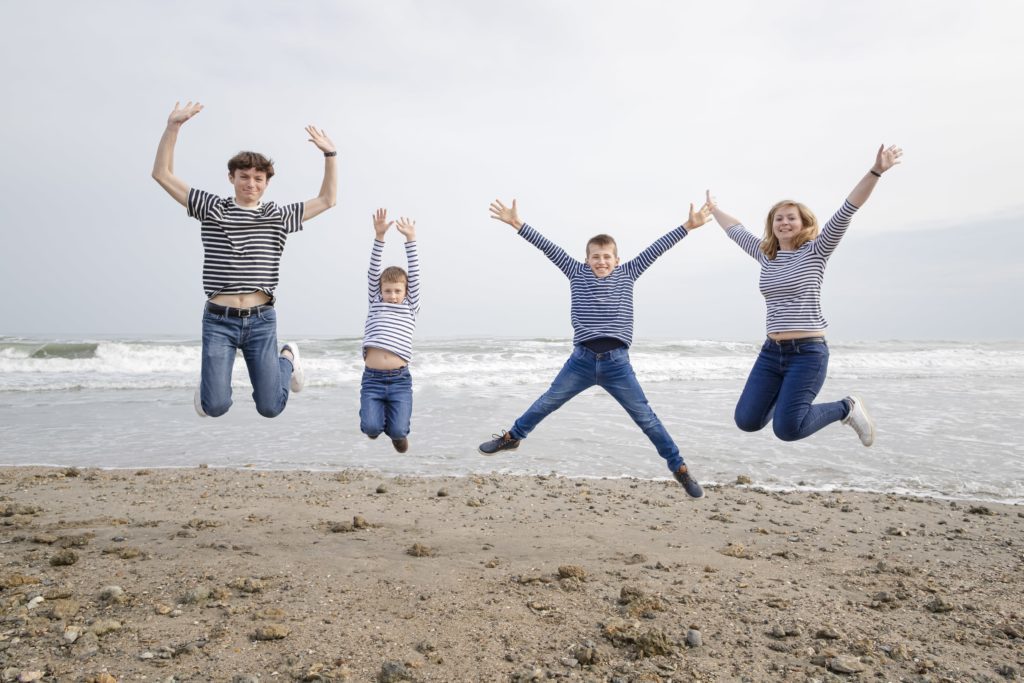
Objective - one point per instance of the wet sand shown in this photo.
(241, 575)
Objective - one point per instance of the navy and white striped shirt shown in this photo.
(791, 283)
(242, 247)
(390, 326)
(602, 306)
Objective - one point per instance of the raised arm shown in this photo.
(408, 229)
(555, 253)
(163, 165)
(885, 158)
(734, 229)
(328, 196)
(380, 228)
(646, 258)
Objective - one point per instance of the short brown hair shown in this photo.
(244, 160)
(603, 240)
(770, 243)
(394, 274)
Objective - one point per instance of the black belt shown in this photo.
(801, 340)
(604, 344)
(237, 312)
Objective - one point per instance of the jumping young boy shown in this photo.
(243, 239)
(602, 322)
(385, 396)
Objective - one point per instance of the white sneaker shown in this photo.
(860, 420)
(197, 401)
(298, 376)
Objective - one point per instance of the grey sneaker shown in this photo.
(197, 402)
(860, 420)
(298, 376)
(500, 442)
(690, 485)
(401, 445)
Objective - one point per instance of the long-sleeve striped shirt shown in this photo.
(791, 282)
(602, 306)
(242, 247)
(390, 326)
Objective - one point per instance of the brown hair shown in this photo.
(603, 240)
(770, 243)
(394, 274)
(244, 160)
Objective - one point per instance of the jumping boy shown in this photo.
(243, 239)
(385, 396)
(602, 321)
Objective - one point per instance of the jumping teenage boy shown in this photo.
(602, 321)
(243, 239)
(385, 395)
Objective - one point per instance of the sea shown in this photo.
(948, 414)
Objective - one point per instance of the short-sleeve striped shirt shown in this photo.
(390, 326)
(791, 282)
(242, 247)
(602, 306)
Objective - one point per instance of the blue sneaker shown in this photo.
(692, 488)
(500, 442)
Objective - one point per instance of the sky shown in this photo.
(596, 115)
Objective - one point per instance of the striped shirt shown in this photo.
(602, 306)
(791, 283)
(390, 326)
(242, 247)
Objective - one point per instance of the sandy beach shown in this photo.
(240, 575)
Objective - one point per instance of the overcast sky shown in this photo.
(598, 116)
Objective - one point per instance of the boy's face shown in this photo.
(249, 185)
(602, 259)
(392, 292)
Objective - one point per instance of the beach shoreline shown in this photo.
(205, 574)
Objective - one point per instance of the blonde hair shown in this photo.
(770, 243)
(394, 274)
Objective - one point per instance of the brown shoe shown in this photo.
(401, 445)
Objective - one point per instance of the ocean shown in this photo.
(947, 414)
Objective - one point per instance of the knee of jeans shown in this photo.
(785, 431)
(370, 432)
(397, 433)
(746, 423)
(269, 412)
(216, 409)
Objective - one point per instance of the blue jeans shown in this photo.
(385, 402)
(612, 372)
(269, 373)
(781, 389)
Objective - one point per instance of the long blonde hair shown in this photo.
(770, 243)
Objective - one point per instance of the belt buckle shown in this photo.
(244, 312)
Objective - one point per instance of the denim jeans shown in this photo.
(269, 373)
(385, 402)
(781, 389)
(612, 372)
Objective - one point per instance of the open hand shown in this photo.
(182, 114)
(407, 228)
(319, 138)
(701, 216)
(506, 214)
(380, 223)
(886, 158)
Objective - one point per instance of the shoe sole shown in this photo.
(870, 420)
(483, 452)
(197, 403)
(295, 386)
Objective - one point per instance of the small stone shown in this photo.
(420, 550)
(572, 571)
(247, 585)
(359, 522)
(161, 608)
(743, 479)
(197, 594)
(474, 502)
(71, 634)
(247, 678)
(382, 489)
(827, 633)
(102, 677)
(35, 602)
(586, 653)
(102, 627)
(693, 638)
(844, 664)
(938, 604)
(29, 676)
(392, 672)
(64, 558)
(271, 632)
(113, 594)
(442, 493)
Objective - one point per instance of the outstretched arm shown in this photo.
(506, 214)
(646, 258)
(724, 220)
(380, 228)
(734, 229)
(885, 158)
(557, 255)
(328, 196)
(163, 165)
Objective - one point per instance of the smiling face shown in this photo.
(787, 225)
(602, 255)
(249, 184)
